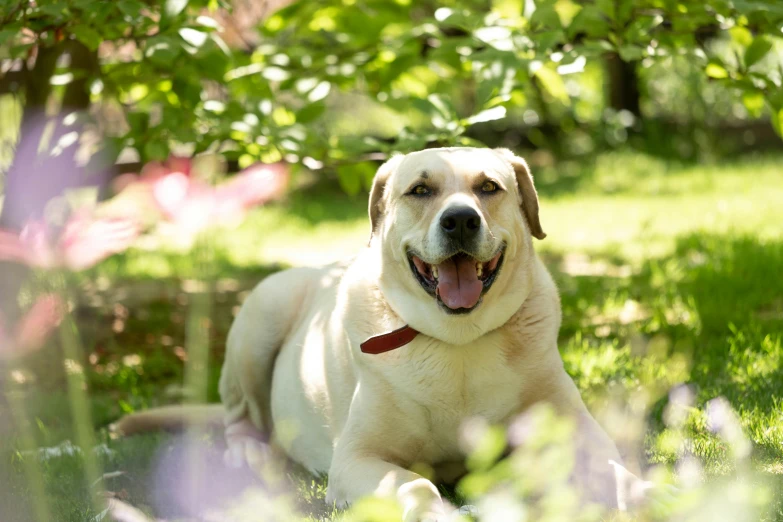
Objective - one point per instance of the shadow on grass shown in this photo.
(709, 315)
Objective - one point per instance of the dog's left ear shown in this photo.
(377, 204)
(527, 190)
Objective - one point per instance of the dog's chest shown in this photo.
(449, 384)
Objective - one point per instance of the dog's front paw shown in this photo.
(333, 499)
(421, 502)
(463, 514)
(434, 516)
(246, 451)
(244, 446)
(466, 512)
(631, 490)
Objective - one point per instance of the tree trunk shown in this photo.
(623, 85)
(36, 175)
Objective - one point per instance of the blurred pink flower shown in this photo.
(83, 242)
(33, 328)
(254, 185)
(188, 201)
(192, 205)
(153, 171)
(86, 241)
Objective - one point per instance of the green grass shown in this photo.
(669, 274)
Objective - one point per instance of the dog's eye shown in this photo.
(420, 190)
(489, 186)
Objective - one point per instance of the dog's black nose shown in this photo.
(460, 223)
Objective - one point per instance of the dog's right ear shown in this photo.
(377, 202)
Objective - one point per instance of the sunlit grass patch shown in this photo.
(645, 218)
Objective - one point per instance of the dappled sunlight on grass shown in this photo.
(710, 320)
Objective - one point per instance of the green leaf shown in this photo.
(757, 50)
(442, 105)
(156, 150)
(87, 35)
(131, 8)
(53, 9)
(754, 102)
(486, 90)
(590, 21)
(310, 112)
(351, 177)
(566, 10)
(138, 122)
(508, 8)
(631, 53)
(368, 176)
(441, 112)
(553, 84)
(275, 74)
(545, 17)
(596, 48)
(715, 70)
(20, 50)
(7, 34)
(320, 92)
(163, 49)
(104, 16)
(777, 121)
(497, 36)
(741, 36)
(495, 113)
(213, 65)
(639, 32)
(206, 21)
(607, 8)
(192, 36)
(548, 40)
(175, 7)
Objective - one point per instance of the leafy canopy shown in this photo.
(437, 67)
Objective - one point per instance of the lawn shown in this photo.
(669, 274)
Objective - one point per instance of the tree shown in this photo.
(158, 76)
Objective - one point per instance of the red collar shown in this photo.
(389, 341)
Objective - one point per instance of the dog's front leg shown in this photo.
(379, 438)
(354, 476)
(599, 474)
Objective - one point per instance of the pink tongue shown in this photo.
(458, 283)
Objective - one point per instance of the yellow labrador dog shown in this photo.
(372, 365)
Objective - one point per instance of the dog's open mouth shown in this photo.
(458, 281)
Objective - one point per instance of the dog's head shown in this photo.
(454, 230)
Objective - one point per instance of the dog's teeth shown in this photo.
(479, 269)
(434, 271)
